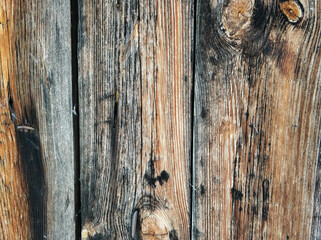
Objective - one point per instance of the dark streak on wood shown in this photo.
(236, 194)
(265, 207)
(74, 15)
(173, 235)
(163, 177)
(34, 174)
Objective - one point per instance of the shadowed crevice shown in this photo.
(75, 100)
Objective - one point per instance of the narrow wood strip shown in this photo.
(14, 207)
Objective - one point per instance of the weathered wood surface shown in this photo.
(135, 85)
(14, 207)
(37, 156)
(257, 120)
(316, 220)
(240, 159)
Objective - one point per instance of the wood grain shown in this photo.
(316, 219)
(249, 166)
(14, 207)
(37, 141)
(135, 85)
(257, 120)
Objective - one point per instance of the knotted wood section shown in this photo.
(257, 126)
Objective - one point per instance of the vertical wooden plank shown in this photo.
(135, 89)
(14, 207)
(166, 71)
(37, 106)
(257, 119)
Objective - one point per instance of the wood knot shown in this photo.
(151, 220)
(236, 18)
(292, 10)
(155, 226)
(90, 230)
(84, 234)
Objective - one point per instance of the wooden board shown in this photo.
(257, 120)
(37, 154)
(240, 159)
(14, 207)
(135, 85)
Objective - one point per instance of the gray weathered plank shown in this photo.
(135, 74)
(257, 120)
(36, 99)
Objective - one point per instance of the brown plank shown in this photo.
(257, 120)
(14, 207)
(135, 73)
(37, 108)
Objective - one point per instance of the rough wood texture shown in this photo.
(316, 221)
(37, 157)
(14, 208)
(135, 72)
(255, 171)
(257, 120)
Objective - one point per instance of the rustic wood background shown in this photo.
(160, 119)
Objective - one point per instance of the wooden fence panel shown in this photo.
(239, 159)
(135, 85)
(257, 120)
(37, 156)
